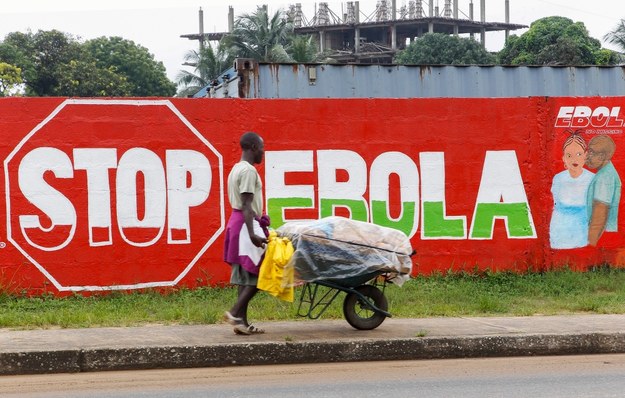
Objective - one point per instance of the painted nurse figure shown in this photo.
(569, 220)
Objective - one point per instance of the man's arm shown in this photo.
(248, 215)
(598, 220)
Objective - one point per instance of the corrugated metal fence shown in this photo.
(253, 80)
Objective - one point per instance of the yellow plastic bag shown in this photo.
(273, 277)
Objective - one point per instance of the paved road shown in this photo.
(520, 377)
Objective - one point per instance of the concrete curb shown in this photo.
(264, 353)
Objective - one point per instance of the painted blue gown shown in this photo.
(569, 221)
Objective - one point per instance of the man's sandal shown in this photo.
(231, 319)
(247, 330)
(254, 330)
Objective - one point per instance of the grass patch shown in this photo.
(505, 293)
(455, 294)
(421, 333)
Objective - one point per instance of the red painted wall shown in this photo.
(150, 218)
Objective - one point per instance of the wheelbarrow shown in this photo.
(336, 255)
(365, 306)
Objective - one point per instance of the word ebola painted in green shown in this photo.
(501, 194)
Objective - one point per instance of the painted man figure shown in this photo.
(604, 192)
(245, 238)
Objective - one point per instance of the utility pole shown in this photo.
(201, 16)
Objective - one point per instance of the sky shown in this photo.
(158, 24)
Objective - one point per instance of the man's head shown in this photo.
(253, 147)
(600, 151)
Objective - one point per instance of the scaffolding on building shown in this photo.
(353, 36)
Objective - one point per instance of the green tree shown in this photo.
(145, 75)
(85, 79)
(555, 41)
(10, 77)
(261, 37)
(617, 35)
(208, 64)
(54, 63)
(39, 55)
(303, 49)
(442, 49)
(14, 50)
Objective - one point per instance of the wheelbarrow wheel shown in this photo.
(360, 315)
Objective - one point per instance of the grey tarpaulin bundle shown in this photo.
(337, 248)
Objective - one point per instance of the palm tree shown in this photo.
(208, 65)
(261, 37)
(617, 36)
(304, 49)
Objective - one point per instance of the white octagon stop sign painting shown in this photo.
(114, 194)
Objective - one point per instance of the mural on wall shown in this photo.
(500, 196)
(604, 192)
(94, 205)
(129, 193)
(569, 220)
(586, 195)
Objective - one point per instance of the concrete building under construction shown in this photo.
(355, 37)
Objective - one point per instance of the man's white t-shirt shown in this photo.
(244, 178)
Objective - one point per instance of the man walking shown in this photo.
(245, 236)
